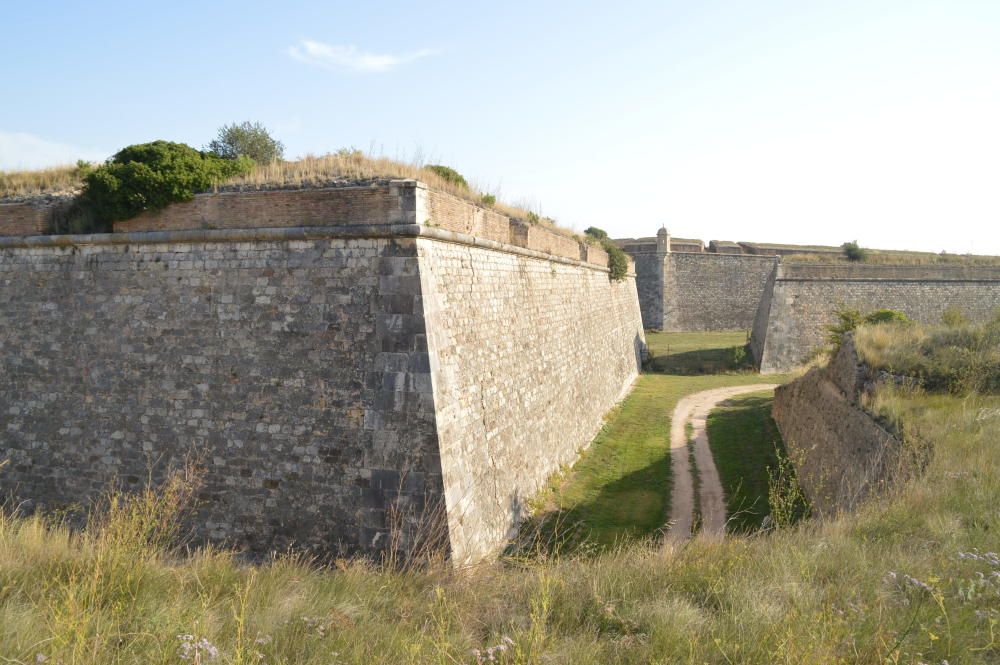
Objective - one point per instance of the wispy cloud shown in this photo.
(337, 56)
(20, 150)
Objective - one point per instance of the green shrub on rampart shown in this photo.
(849, 318)
(449, 174)
(150, 176)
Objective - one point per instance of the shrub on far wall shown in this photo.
(617, 258)
(149, 176)
(854, 252)
(247, 139)
(849, 319)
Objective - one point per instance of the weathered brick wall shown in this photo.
(713, 291)
(296, 371)
(452, 213)
(841, 454)
(804, 299)
(26, 219)
(380, 203)
(527, 357)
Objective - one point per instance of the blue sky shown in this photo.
(813, 122)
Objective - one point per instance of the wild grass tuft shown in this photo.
(26, 184)
(961, 358)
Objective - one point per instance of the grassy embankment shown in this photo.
(909, 578)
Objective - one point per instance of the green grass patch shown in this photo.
(698, 352)
(745, 442)
(619, 489)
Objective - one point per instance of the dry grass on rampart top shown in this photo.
(960, 358)
(357, 166)
(344, 166)
(890, 257)
(27, 184)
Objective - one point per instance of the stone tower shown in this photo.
(663, 240)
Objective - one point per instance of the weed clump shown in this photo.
(449, 175)
(854, 252)
(617, 258)
(849, 319)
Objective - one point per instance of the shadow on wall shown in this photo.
(702, 361)
(641, 351)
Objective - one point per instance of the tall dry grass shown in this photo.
(310, 171)
(961, 358)
(27, 184)
(911, 577)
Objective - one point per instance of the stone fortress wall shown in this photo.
(359, 360)
(684, 287)
(804, 297)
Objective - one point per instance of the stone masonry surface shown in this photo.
(294, 365)
(526, 358)
(804, 298)
(297, 373)
(713, 291)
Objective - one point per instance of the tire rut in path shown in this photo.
(694, 409)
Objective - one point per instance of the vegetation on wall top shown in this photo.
(449, 175)
(617, 258)
(246, 139)
(850, 318)
(959, 357)
(149, 176)
(853, 251)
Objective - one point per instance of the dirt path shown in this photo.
(694, 409)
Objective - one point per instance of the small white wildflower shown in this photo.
(41, 658)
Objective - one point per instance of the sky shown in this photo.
(771, 121)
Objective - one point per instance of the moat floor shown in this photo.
(705, 508)
(620, 490)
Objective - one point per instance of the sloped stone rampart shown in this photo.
(527, 356)
(841, 453)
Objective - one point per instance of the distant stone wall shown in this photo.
(713, 291)
(527, 357)
(841, 454)
(804, 298)
(763, 315)
(649, 270)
